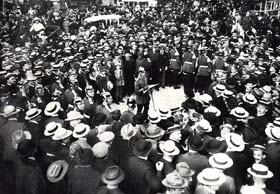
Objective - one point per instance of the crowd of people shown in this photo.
(60, 75)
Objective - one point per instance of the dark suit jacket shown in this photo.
(141, 177)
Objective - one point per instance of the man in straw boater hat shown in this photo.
(112, 177)
(209, 181)
(260, 173)
(10, 114)
(272, 132)
(221, 162)
(235, 150)
(141, 175)
(33, 125)
(52, 112)
(57, 177)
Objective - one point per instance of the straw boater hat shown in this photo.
(174, 181)
(273, 132)
(213, 109)
(128, 131)
(18, 136)
(220, 161)
(106, 137)
(250, 99)
(57, 170)
(61, 133)
(260, 171)
(169, 148)
(203, 125)
(51, 128)
(165, 112)
(219, 88)
(32, 113)
(239, 113)
(9, 111)
(211, 177)
(184, 170)
(154, 117)
(235, 142)
(81, 130)
(52, 108)
(113, 175)
(154, 132)
(74, 115)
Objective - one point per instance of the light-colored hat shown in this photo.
(74, 115)
(211, 176)
(128, 131)
(81, 130)
(51, 128)
(251, 189)
(154, 131)
(57, 170)
(205, 98)
(250, 99)
(260, 171)
(154, 117)
(219, 88)
(18, 136)
(273, 132)
(10, 110)
(204, 125)
(174, 181)
(52, 108)
(220, 161)
(100, 149)
(169, 148)
(165, 112)
(112, 175)
(213, 109)
(235, 142)
(32, 113)
(239, 113)
(61, 133)
(106, 136)
(184, 170)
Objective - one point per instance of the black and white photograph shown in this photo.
(140, 97)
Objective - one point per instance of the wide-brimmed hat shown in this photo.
(250, 99)
(18, 136)
(32, 113)
(239, 113)
(154, 131)
(258, 147)
(211, 176)
(203, 125)
(128, 131)
(100, 149)
(219, 88)
(52, 108)
(81, 130)
(164, 112)
(195, 143)
(9, 111)
(229, 126)
(113, 175)
(57, 170)
(213, 109)
(51, 128)
(214, 146)
(273, 132)
(220, 161)
(61, 133)
(184, 170)
(154, 117)
(140, 147)
(106, 136)
(169, 148)
(174, 181)
(74, 115)
(235, 142)
(260, 171)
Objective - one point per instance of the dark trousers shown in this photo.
(203, 83)
(188, 81)
(175, 77)
(143, 108)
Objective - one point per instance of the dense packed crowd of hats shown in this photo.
(60, 75)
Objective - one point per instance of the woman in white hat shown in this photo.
(209, 181)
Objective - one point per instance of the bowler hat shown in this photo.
(195, 143)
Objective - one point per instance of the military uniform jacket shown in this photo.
(140, 97)
(188, 62)
(204, 66)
